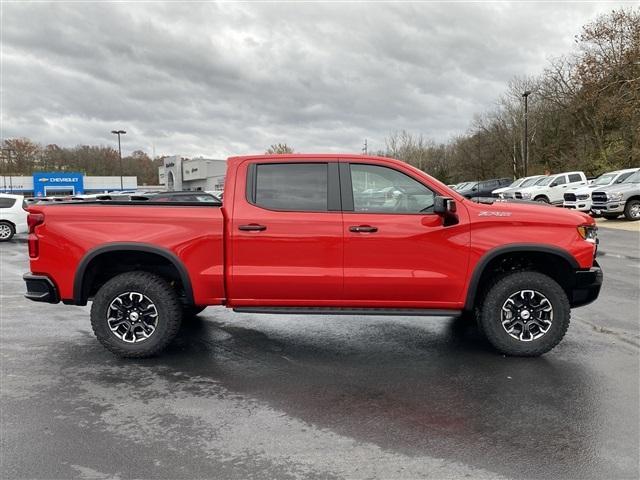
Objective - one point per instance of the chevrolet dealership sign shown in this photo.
(48, 183)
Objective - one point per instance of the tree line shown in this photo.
(22, 156)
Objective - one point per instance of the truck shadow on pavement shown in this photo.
(436, 389)
(433, 388)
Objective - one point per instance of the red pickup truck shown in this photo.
(336, 234)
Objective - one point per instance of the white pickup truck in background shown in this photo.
(580, 198)
(551, 189)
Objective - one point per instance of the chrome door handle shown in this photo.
(363, 229)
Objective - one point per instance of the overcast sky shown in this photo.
(224, 79)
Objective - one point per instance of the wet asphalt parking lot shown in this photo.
(267, 396)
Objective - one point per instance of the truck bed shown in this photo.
(73, 235)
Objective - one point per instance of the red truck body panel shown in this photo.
(194, 234)
(311, 258)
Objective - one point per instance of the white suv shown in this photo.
(551, 189)
(13, 217)
(580, 198)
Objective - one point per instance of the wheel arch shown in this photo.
(485, 266)
(82, 278)
(11, 224)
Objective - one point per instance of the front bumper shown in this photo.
(580, 205)
(586, 287)
(609, 207)
(40, 288)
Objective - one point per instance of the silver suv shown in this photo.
(619, 198)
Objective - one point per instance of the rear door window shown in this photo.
(296, 187)
(574, 177)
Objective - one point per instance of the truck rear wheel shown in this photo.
(525, 314)
(136, 314)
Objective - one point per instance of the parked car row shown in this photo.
(484, 188)
(611, 194)
(618, 197)
(580, 198)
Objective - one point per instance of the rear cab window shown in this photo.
(296, 187)
(575, 177)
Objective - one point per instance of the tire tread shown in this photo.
(147, 280)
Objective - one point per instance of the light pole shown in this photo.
(525, 142)
(120, 132)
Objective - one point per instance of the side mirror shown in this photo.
(553, 184)
(444, 205)
(446, 208)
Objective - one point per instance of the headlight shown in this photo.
(588, 233)
(616, 196)
(583, 196)
(526, 196)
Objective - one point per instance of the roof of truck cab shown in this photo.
(307, 156)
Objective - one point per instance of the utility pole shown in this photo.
(525, 143)
(120, 132)
(365, 149)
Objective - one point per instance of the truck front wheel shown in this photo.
(136, 314)
(525, 314)
(632, 210)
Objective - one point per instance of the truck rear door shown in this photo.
(286, 234)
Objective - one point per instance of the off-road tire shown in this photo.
(541, 199)
(631, 205)
(498, 293)
(12, 231)
(159, 292)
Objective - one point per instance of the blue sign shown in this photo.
(57, 183)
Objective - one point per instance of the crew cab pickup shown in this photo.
(619, 198)
(316, 234)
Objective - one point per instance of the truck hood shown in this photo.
(528, 212)
(582, 189)
(619, 187)
(532, 188)
(503, 189)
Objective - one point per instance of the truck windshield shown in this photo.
(605, 179)
(635, 178)
(530, 181)
(517, 183)
(546, 181)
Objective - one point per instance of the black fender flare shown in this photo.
(511, 248)
(79, 297)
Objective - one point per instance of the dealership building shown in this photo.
(48, 184)
(206, 174)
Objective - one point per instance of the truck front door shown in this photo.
(398, 253)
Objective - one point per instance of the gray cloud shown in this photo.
(223, 79)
